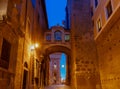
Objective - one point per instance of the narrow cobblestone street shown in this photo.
(58, 87)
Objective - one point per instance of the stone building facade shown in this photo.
(84, 52)
(56, 40)
(22, 25)
(57, 35)
(95, 43)
(93, 49)
(54, 69)
(106, 26)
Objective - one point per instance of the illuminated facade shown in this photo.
(84, 53)
(92, 45)
(21, 26)
(94, 30)
(57, 34)
(106, 19)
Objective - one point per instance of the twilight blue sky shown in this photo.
(33, 3)
(63, 62)
(56, 14)
(55, 11)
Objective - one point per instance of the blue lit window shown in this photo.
(58, 36)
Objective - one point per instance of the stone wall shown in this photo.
(109, 55)
(84, 51)
(7, 75)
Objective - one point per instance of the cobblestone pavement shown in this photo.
(58, 87)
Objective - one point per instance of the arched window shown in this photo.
(58, 36)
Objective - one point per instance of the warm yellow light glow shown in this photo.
(36, 45)
(32, 47)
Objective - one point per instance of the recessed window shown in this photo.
(48, 37)
(58, 36)
(91, 11)
(5, 54)
(67, 37)
(109, 9)
(99, 25)
(3, 8)
(38, 17)
(96, 3)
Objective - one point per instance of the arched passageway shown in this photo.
(56, 49)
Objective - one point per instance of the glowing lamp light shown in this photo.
(36, 45)
(63, 66)
(32, 47)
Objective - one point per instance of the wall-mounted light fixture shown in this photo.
(34, 46)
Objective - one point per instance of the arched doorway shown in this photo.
(25, 76)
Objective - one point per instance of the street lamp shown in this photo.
(34, 46)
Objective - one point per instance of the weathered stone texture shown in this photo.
(109, 55)
(7, 75)
(83, 45)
